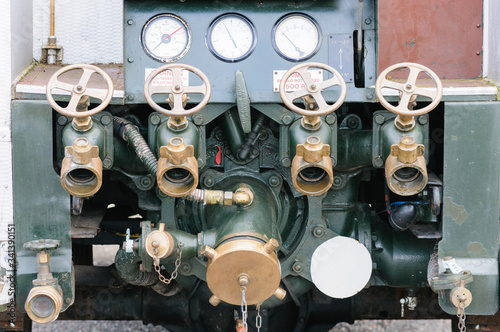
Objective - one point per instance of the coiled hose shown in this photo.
(130, 133)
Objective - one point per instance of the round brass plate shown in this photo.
(243, 257)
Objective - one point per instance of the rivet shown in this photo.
(379, 119)
(330, 119)
(130, 60)
(130, 22)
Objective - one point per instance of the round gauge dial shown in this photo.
(166, 38)
(231, 37)
(296, 37)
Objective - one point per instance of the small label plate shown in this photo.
(165, 78)
(295, 82)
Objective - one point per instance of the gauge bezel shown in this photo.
(307, 17)
(162, 59)
(208, 39)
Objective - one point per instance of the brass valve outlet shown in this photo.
(312, 172)
(177, 174)
(243, 263)
(44, 301)
(243, 196)
(405, 168)
(159, 243)
(81, 170)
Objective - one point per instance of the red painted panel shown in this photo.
(444, 35)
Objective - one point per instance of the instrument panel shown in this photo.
(262, 40)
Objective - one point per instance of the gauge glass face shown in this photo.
(166, 38)
(296, 37)
(231, 38)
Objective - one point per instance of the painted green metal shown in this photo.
(41, 206)
(328, 135)
(190, 135)
(471, 199)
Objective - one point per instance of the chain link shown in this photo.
(461, 317)
(244, 309)
(258, 318)
(177, 265)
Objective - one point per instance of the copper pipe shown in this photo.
(52, 17)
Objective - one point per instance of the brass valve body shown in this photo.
(405, 168)
(81, 169)
(312, 172)
(177, 174)
(243, 263)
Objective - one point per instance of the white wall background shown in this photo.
(89, 31)
(492, 39)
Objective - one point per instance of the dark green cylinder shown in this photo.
(94, 135)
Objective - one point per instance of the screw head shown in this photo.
(130, 21)
(379, 119)
(105, 120)
(378, 162)
(107, 162)
(208, 181)
(318, 231)
(130, 59)
(287, 119)
(155, 119)
(286, 162)
(337, 181)
(330, 119)
(198, 119)
(274, 181)
(369, 96)
(297, 267)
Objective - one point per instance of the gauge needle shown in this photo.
(296, 48)
(229, 33)
(164, 40)
(170, 35)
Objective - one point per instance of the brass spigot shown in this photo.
(405, 168)
(312, 172)
(177, 174)
(81, 170)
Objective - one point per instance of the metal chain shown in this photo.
(258, 319)
(177, 264)
(461, 317)
(244, 309)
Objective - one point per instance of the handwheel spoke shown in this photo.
(177, 105)
(62, 86)
(305, 76)
(328, 83)
(392, 85)
(73, 102)
(412, 78)
(196, 89)
(403, 103)
(159, 89)
(97, 93)
(320, 100)
(426, 93)
(84, 80)
(177, 76)
(297, 94)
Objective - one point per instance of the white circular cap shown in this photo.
(341, 267)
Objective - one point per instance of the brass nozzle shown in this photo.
(405, 168)
(312, 172)
(44, 304)
(81, 170)
(177, 174)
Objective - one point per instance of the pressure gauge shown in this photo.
(166, 38)
(296, 37)
(231, 37)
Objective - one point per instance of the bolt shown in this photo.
(274, 181)
(297, 267)
(368, 21)
(337, 182)
(105, 120)
(478, 25)
(130, 21)
(370, 77)
(62, 120)
(107, 162)
(130, 97)
(243, 279)
(186, 268)
(369, 96)
(198, 119)
(478, 53)
(286, 162)
(67, 300)
(352, 122)
(287, 119)
(219, 135)
(423, 119)
(208, 181)
(155, 119)
(146, 181)
(318, 231)
(255, 152)
(313, 86)
(379, 119)
(330, 119)
(78, 88)
(177, 88)
(140, 267)
(378, 162)
(409, 86)
(130, 59)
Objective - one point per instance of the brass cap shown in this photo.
(160, 240)
(43, 304)
(243, 263)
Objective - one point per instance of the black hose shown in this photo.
(130, 133)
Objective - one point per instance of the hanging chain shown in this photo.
(177, 264)
(244, 309)
(258, 318)
(461, 317)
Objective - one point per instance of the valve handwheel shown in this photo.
(313, 89)
(79, 90)
(177, 90)
(409, 89)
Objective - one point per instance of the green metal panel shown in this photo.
(471, 199)
(41, 206)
